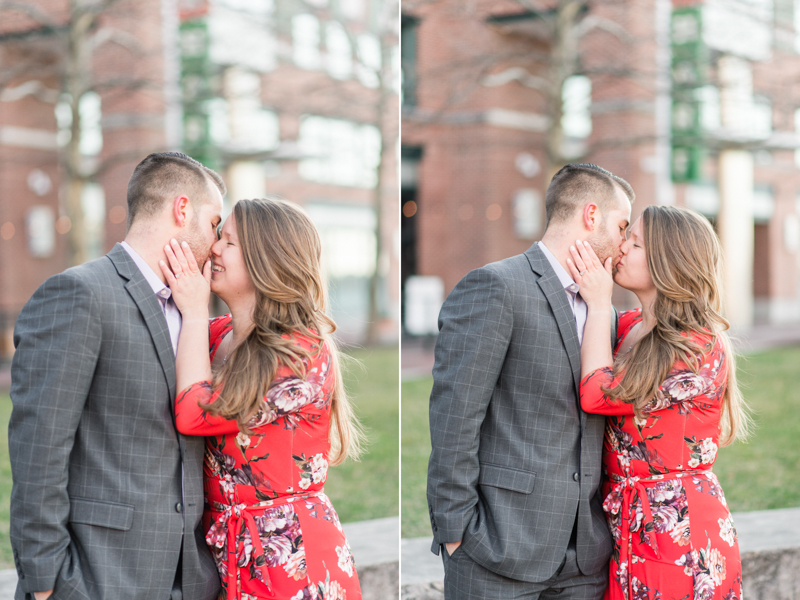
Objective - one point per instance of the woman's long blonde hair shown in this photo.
(281, 250)
(684, 258)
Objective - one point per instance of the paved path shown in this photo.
(758, 530)
(373, 542)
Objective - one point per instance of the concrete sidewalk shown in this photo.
(417, 353)
(375, 548)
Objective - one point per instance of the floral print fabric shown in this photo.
(272, 530)
(673, 533)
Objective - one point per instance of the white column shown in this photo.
(245, 179)
(735, 226)
(735, 180)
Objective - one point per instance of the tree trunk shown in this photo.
(564, 64)
(384, 87)
(78, 71)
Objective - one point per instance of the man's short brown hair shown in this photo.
(164, 175)
(574, 186)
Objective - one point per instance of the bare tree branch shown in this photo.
(516, 74)
(31, 11)
(34, 88)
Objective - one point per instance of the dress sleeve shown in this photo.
(287, 394)
(191, 419)
(595, 401)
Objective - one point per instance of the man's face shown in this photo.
(201, 232)
(609, 234)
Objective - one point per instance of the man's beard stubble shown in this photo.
(197, 243)
(603, 246)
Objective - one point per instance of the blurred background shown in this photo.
(696, 103)
(294, 98)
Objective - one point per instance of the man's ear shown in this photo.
(180, 210)
(591, 216)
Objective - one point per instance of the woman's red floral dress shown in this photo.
(272, 530)
(673, 533)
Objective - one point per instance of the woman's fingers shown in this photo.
(169, 276)
(588, 254)
(174, 264)
(577, 259)
(573, 270)
(177, 250)
(191, 261)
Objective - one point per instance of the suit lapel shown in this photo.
(150, 308)
(565, 319)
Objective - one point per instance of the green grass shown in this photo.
(359, 490)
(369, 489)
(416, 447)
(763, 473)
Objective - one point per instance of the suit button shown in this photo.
(575, 476)
(179, 507)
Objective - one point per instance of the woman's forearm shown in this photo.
(596, 348)
(192, 362)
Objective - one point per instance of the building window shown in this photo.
(347, 234)
(576, 95)
(339, 57)
(305, 40)
(369, 60)
(797, 131)
(342, 152)
(408, 60)
(241, 35)
(352, 9)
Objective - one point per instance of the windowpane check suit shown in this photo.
(107, 496)
(515, 462)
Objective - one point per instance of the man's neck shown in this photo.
(558, 242)
(150, 247)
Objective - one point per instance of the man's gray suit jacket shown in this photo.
(97, 511)
(515, 461)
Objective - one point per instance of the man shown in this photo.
(514, 474)
(107, 496)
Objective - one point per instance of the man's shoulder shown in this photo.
(90, 277)
(509, 270)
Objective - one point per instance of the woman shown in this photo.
(270, 400)
(671, 398)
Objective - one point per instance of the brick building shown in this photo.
(478, 133)
(281, 98)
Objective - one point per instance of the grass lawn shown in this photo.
(364, 490)
(369, 489)
(760, 474)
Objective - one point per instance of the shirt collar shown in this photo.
(159, 287)
(564, 277)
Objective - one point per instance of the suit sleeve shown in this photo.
(475, 325)
(57, 338)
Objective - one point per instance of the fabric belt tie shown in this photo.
(621, 501)
(237, 517)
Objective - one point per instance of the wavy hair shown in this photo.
(684, 258)
(281, 250)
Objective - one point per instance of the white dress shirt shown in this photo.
(578, 305)
(163, 293)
